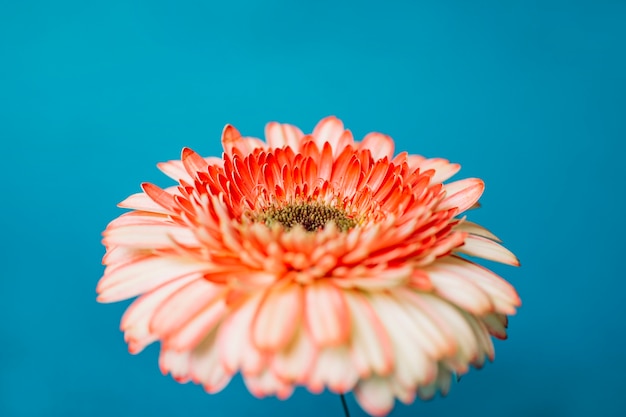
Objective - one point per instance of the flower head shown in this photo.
(309, 260)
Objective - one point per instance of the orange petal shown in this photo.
(160, 196)
(193, 162)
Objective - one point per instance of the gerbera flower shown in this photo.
(310, 260)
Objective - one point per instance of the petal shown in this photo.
(327, 317)
(161, 197)
(175, 169)
(495, 326)
(370, 347)
(277, 317)
(375, 396)
(462, 194)
(189, 314)
(463, 334)
(459, 290)
(159, 235)
(475, 229)
(193, 162)
(205, 366)
(232, 139)
(377, 279)
(329, 129)
(144, 275)
(502, 294)
(379, 145)
(333, 369)
(488, 249)
(296, 361)
(442, 167)
(176, 363)
(136, 320)
(266, 384)
(413, 366)
(141, 201)
(234, 340)
(279, 135)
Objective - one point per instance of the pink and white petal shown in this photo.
(296, 361)
(403, 393)
(267, 384)
(118, 255)
(192, 327)
(414, 161)
(193, 163)
(485, 343)
(377, 279)
(136, 218)
(434, 330)
(141, 202)
(162, 197)
(333, 369)
(136, 320)
(232, 139)
(442, 383)
(277, 317)
(144, 275)
(279, 135)
(370, 347)
(487, 249)
(475, 229)
(442, 167)
(413, 365)
(159, 235)
(375, 395)
(444, 379)
(234, 340)
(329, 129)
(495, 326)
(176, 363)
(458, 290)
(379, 145)
(175, 170)
(205, 366)
(466, 341)
(326, 314)
(504, 297)
(462, 194)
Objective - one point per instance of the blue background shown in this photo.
(528, 95)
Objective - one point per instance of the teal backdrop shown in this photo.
(528, 95)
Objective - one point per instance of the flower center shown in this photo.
(311, 216)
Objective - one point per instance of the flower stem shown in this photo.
(345, 406)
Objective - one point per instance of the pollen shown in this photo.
(311, 216)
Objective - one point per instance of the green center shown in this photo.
(311, 216)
